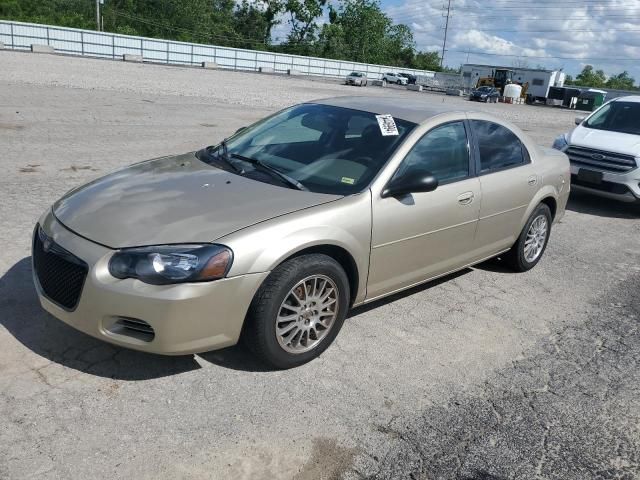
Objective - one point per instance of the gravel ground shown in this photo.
(482, 375)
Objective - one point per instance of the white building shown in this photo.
(539, 80)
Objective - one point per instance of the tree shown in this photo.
(250, 26)
(303, 16)
(426, 61)
(360, 31)
(590, 78)
(622, 81)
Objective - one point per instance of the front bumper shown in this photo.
(185, 318)
(622, 187)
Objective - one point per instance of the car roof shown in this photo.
(412, 110)
(630, 98)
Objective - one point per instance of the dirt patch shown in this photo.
(329, 461)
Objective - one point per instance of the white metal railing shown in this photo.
(73, 41)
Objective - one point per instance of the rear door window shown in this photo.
(499, 147)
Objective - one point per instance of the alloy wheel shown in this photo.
(307, 314)
(536, 238)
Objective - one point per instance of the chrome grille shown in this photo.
(601, 160)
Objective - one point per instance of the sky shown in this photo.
(556, 34)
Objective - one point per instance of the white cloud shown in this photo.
(573, 32)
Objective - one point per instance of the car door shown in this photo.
(508, 182)
(422, 235)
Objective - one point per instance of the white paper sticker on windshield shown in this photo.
(387, 125)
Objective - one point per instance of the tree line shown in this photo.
(590, 77)
(353, 30)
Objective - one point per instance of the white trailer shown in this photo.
(539, 80)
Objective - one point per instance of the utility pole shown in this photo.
(98, 15)
(446, 29)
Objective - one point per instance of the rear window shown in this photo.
(623, 117)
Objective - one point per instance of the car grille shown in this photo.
(600, 160)
(60, 274)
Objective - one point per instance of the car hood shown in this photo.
(604, 140)
(174, 200)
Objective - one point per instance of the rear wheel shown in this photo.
(532, 242)
(298, 311)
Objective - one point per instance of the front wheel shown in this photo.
(298, 311)
(532, 242)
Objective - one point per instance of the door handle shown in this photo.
(465, 198)
(532, 180)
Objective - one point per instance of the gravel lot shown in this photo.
(485, 374)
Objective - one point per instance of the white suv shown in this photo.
(604, 150)
(390, 77)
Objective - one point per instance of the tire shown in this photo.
(273, 299)
(517, 257)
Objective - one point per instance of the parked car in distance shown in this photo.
(356, 78)
(604, 150)
(274, 234)
(391, 77)
(485, 94)
(411, 79)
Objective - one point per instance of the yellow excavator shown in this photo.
(499, 79)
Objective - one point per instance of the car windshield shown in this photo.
(355, 74)
(485, 89)
(323, 148)
(623, 117)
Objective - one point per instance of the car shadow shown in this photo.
(602, 207)
(239, 357)
(45, 335)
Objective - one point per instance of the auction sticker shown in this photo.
(387, 125)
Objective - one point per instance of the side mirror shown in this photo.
(415, 182)
(579, 120)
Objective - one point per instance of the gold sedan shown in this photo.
(275, 233)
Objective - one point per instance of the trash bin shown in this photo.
(589, 100)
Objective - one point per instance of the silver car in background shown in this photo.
(358, 79)
(274, 234)
(396, 78)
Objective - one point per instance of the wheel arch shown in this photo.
(340, 255)
(551, 202)
(547, 195)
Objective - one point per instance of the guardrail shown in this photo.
(89, 43)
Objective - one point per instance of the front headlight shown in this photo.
(561, 143)
(167, 264)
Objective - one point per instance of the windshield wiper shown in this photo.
(283, 176)
(224, 156)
